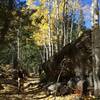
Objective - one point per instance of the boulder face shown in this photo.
(73, 60)
(1, 87)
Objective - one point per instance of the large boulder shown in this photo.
(74, 60)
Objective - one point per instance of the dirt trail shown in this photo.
(31, 92)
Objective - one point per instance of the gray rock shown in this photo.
(53, 87)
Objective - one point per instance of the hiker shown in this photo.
(20, 80)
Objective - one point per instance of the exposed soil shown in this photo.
(31, 91)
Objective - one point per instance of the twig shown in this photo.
(61, 64)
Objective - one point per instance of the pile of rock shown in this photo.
(73, 86)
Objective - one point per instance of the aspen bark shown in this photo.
(96, 47)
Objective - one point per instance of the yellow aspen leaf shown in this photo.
(13, 12)
(29, 2)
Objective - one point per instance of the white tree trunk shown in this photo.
(49, 30)
(96, 60)
(95, 13)
(96, 47)
(18, 55)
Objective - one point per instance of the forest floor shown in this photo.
(32, 91)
